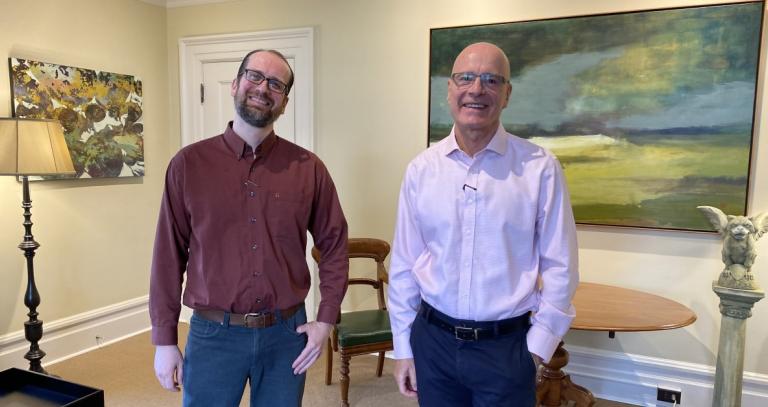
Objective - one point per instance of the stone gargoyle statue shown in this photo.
(739, 236)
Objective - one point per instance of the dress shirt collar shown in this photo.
(240, 149)
(498, 143)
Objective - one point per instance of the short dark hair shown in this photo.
(241, 70)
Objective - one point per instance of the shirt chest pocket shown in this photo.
(287, 213)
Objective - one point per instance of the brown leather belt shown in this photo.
(262, 319)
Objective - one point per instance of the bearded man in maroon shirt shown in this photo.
(233, 220)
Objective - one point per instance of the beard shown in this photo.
(253, 116)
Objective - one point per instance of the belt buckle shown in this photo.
(464, 333)
(255, 319)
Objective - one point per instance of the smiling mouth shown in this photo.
(476, 106)
(259, 101)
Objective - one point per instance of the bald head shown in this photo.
(478, 91)
(485, 53)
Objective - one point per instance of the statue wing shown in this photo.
(761, 224)
(715, 216)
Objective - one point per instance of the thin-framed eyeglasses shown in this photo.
(487, 79)
(257, 77)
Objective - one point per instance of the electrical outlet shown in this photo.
(668, 395)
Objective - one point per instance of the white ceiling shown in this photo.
(181, 3)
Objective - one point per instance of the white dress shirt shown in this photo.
(475, 235)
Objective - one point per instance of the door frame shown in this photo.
(296, 43)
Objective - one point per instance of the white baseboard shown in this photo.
(72, 336)
(633, 379)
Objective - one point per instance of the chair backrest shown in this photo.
(375, 249)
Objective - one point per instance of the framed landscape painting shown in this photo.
(101, 113)
(651, 113)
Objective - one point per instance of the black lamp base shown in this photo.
(33, 328)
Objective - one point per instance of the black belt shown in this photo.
(263, 319)
(473, 330)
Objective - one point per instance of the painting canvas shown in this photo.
(650, 113)
(101, 113)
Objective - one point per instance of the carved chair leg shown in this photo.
(344, 370)
(380, 366)
(328, 363)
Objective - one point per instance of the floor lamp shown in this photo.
(32, 147)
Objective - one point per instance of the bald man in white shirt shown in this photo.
(484, 263)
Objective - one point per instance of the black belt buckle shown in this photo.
(465, 333)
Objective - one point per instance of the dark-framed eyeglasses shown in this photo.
(257, 77)
(487, 79)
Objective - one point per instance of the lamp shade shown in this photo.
(33, 147)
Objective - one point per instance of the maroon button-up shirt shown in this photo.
(236, 221)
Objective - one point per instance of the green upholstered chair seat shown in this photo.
(364, 327)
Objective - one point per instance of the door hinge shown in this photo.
(202, 93)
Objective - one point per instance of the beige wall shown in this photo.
(371, 111)
(95, 234)
(371, 119)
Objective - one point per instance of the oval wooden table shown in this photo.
(609, 309)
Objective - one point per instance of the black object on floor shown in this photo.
(24, 388)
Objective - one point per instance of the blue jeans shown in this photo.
(220, 357)
(451, 372)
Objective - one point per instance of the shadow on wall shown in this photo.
(656, 242)
(14, 283)
(665, 343)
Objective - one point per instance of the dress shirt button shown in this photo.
(253, 220)
(254, 247)
(251, 194)
(258, 300)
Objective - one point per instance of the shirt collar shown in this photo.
(240, 149)
(498, 143)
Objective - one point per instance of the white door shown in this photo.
(218, 106)
(207, 66)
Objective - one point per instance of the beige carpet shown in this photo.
(124, 371)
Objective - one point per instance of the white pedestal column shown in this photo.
(736, 307)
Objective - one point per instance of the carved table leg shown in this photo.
(344, 370)
(555, 387)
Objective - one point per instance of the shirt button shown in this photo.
(254, 247)
(251, 194)
(258, 300)
(253, 220)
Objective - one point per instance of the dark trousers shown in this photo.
(220, 358)
(493, 371)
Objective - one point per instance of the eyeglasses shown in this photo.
(257, 77)
(488, 80)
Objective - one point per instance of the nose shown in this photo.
(265, 84)
(476, 86)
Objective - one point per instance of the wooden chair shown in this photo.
(361, 332)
